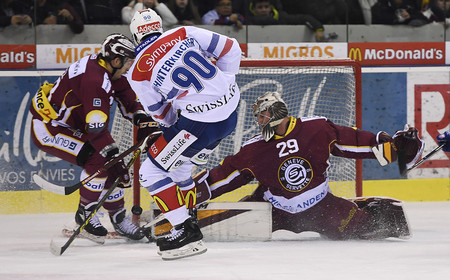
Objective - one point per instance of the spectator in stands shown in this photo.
(168, 18)
(223, 14)
(398, 12)
(366, 7)
(98, 11)
(267, 12)
(185, 11)
(15, 12)
(328, 11)
(204, 6)
(438, 11)
(58, 12)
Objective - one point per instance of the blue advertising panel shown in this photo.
(384, 98)
(19, 158)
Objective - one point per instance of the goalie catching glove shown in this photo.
(409, 147)
(146, 126)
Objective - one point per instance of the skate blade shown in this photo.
(191, 249)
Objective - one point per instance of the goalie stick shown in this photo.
(59, 250)
(66, 190)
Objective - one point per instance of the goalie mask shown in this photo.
(144, 23)
(269, 111)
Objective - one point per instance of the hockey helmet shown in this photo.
(117, 45)
(276, 107)
(145, 22)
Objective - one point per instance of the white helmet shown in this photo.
(271, 102)
(145, 22)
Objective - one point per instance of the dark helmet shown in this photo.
(117, 45)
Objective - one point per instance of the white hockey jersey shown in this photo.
(174, 73)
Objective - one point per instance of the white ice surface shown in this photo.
(24, 254)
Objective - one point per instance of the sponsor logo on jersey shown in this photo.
(210, 105)
(96, 121)
(295, 174)
(168, 154)
(97, 102)
(61, 142)
(154, 53)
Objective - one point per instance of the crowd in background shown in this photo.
(237, 13)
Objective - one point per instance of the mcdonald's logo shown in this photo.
(355, 54)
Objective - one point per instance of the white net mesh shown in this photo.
(320, 90)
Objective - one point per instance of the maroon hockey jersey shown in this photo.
(292, 169)
(86, 87)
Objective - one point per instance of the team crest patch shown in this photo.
(295, 173)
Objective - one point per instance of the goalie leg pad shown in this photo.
(203, 192)
(387, 218)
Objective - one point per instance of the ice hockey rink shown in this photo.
(24, 254)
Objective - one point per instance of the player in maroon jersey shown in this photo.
(70, 121)
(290, 160)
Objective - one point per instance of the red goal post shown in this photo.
(321, 87)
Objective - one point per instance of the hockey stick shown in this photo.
(59, 250)
(66, 190)
(437, 149)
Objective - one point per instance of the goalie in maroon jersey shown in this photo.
(290, 160)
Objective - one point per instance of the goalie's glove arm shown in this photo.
(405, 142)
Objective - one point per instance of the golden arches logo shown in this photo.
(162, 205)
(180, 196)
(190, 198)
(355, 54)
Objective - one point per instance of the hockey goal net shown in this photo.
(329, 88)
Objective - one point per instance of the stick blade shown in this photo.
(61, 190)
(55, 249)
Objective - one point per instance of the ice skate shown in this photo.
(185, 240)
(94, 230)
(124, 227)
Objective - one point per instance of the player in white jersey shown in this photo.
(195, 101)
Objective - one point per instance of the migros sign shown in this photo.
(296, 50)
(419, 53)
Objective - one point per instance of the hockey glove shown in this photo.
(444, 138)
(119, 170)
(146, 125)
(409, 147)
